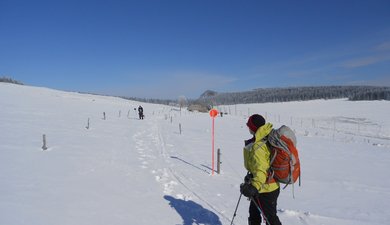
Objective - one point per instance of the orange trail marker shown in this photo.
(213, 114)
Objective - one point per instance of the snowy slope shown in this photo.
(126, 171)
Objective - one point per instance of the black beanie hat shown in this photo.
(255, 121)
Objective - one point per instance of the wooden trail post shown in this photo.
(87, 124)
(219, 161)
(44, 147)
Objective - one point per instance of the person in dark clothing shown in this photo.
(141, 112)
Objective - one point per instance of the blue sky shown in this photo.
(169, 48)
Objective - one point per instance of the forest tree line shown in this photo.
(262, 95)
(9, 80)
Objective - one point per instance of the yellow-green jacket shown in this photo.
(257, 160)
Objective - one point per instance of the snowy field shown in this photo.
(124, 171)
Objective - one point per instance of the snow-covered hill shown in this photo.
(128, 171)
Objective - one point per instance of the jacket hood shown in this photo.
(263, 131)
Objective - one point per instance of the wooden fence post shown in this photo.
(87, 124)
(219, 161)
(44, 147)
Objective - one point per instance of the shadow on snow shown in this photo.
(191, 212)
(197, 167)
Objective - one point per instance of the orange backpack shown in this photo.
(285, 166)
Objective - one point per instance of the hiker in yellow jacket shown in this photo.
(262, 192)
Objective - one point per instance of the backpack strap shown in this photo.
(270, 172)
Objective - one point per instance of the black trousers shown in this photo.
(267, 203)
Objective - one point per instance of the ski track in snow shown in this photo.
(150, 142)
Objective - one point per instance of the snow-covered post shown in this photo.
(180, 128)
(44, 147)
(104, 115)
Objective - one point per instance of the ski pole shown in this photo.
(235, 211)
(261, 211)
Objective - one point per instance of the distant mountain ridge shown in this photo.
(262, 95)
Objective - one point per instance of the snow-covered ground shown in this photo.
(128, 171)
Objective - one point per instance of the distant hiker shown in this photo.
(262, 192)
(141, 112)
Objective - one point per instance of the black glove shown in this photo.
(248, 178)
(248, 190)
